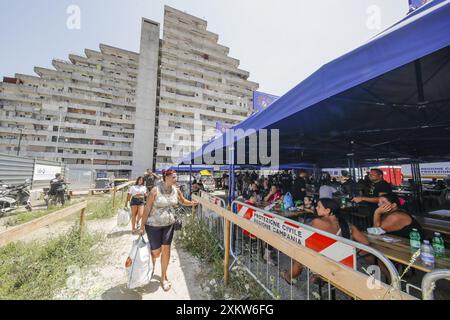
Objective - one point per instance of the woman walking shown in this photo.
(136, 197)
(159, 219)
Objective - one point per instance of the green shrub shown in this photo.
(199, 241)
(37, 270)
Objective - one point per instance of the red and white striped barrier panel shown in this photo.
(294, 231)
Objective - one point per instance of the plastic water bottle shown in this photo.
(343, 202)
(438, 245)
(282, 206)
(414, 239)
(427, 253)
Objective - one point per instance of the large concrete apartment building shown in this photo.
(123, 112)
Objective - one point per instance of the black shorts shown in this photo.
(159, 236)
(136, 202)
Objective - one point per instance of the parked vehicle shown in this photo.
(103, 183)
(13, 196)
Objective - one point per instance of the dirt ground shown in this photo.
(108, 280)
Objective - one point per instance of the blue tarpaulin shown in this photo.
(387, 99)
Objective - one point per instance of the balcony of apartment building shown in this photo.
(105, 55)
(26, 119)
(14, 129)
(69, 68)
(122, 118)
(108, 167)
(106, 63)
(209, 55)
(199, 89)
(179, 96)
(173, 28)
(215, 85)
(98, 88)
(102, 81)
(214, 49)
(83, 144)
(88, 156)
(196, 48)
(206, 61)
(107, 138)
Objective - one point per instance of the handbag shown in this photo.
(178, 224)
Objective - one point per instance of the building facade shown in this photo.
(123, 112)
(200, 86)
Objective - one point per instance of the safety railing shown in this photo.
(335, 263)
(428, 282)
(214, 221)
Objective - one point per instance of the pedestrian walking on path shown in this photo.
(159, 215)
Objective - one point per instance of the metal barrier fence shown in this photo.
(214, 221)
(79, 179)
(428, 282)
(338, 249)
(15, 170)
(323, 256)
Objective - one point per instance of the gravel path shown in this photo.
(108, 280)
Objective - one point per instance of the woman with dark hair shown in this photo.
(329, 220)
(136, 196)
(391, 219)
(159, 219)
(273, 196)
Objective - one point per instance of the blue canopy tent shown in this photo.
(386, 101)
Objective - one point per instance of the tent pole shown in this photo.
(419, 81)
(190, 178)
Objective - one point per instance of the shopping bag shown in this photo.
(288, 201)
(123, 217)
(138, 264)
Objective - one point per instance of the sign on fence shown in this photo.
(44, 172)
(290, 230)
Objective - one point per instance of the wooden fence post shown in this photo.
(194, 212)
(114, 198)
(82, 218)
(226, 260)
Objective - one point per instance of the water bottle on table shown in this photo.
(438, 245)
(414, 239)
(427, 253)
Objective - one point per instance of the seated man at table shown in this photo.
(378, 188)
(393, 220)
(327, 190)
(330, 220)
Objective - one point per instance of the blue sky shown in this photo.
(279, 42)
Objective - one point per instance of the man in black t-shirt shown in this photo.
(299, 187)
(378, 188)
(286, 182)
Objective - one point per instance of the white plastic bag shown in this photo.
(138, 264)
(123, 217)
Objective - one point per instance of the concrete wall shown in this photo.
(146, 98)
